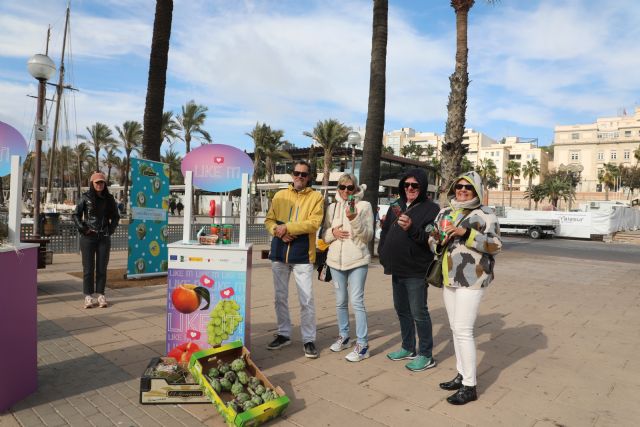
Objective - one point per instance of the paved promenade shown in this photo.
(558, 344)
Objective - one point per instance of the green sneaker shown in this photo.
(401, 355)
(421, 363)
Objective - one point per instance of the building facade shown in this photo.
(590, 146)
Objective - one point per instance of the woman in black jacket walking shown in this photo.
(405, 255)
(96, 218)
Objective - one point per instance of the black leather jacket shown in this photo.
(96, 214)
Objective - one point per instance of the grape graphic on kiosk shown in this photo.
(225, 318)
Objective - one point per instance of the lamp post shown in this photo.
(41, 67)
(354, 139)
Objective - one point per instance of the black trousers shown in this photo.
(95, 257)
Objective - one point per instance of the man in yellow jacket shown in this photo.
(293, 221)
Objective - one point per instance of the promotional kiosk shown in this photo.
(209, 285)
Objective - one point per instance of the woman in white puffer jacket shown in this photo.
(348, 233)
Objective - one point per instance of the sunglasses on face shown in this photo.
(465, 186)
(302, 174)
(413, 185)
(346, 187)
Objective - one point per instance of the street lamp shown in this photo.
(41, 67)
(354, 140)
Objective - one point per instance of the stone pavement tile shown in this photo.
(479, 413)
(300, 398)
(343, 392)
(394, 412)
(412, 390)
(324, 413)
(293, 372)
(77, 322)
(150, 335)
(8, 420)
(125, 352)
(539, 407)
(99, 335)
(201, 411)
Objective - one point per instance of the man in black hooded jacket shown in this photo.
(405, 255)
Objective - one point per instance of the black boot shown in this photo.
(454, 384)
(464, 395)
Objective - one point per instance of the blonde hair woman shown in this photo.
(349, 229)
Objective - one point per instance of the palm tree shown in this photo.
(372, 148)
(636, 154)
(328, 134)
(537, 193)
(191, 121)
(174, 161)
(530, 170)
(99, 137)
(386, 149)
(453, 150)
(170, 127)
(82, 152)
(157, 80)
(411, 150)
(273, 152)
(487, 170)
(259, 134)
(511, 171)
(131, 136)
(607, 177)
(110, 159)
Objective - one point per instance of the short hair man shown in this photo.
(293, 220)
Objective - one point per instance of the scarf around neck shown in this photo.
(469, 204)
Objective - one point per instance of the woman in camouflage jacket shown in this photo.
(473, 236)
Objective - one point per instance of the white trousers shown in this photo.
(303, 276)
(462, 308)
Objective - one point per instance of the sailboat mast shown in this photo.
(56, 123)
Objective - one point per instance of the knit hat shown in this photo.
(98, 176)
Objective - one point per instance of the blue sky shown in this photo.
(532, 64)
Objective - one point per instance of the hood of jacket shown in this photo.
(473, 178)
(421, 176)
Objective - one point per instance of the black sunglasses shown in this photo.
(413, 185)
(346, 187)
(465, 186)
(302, 174)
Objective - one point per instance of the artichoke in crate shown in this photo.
(257, 400)
(243, 377)
(238, 364)
(237, 388)
(215, 384)
(213, 373)
(254, 382)
(243, 397)
(248, 405)
(231, 376)
(233, 405)
(268, 395)
(224, 368)
(226, 384)
(259, 389)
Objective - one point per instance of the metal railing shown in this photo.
(67, 239)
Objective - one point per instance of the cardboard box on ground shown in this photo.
(202, 361)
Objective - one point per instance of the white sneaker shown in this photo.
(359, 353)
(89, 301)
(340, 344)
(102, 301)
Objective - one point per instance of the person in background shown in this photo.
(348, 232)
(172, 207)
(180, 207)
(473, 236)
(405, 255)
(293, 220)
(96, 218)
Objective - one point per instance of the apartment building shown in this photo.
(608, 140)
(480, 146)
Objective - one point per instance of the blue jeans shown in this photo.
(354, 280)
(410, 302)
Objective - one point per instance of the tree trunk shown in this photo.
(510, 191)
(326, 170)
(530, 181)
(97, 150)
(79, 178)
(372, 149)
(606, 193)
(127, 168)
(187, 143)
(485, 196)
(157, 81)
(453, 150)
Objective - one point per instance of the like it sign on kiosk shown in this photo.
(209, 279)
